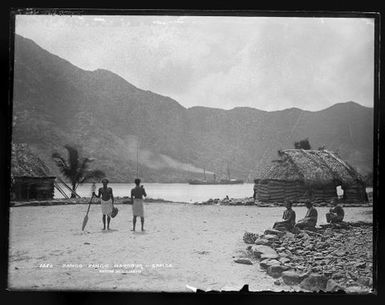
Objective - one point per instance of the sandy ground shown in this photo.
(182, 245)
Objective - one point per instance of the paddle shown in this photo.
(85, 220)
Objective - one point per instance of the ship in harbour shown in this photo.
(204, 181)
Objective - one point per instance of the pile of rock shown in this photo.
(251, 201)
(331, 258)
(208, 202)
(318, 204)
(250, 238)
(227, 201)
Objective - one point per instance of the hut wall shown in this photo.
(324, 193)
(355, 193)
(275, 190)
(31, 188)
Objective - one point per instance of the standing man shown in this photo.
(106, 202)
(137, 194)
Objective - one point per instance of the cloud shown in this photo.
(225, 62)
(307, 65)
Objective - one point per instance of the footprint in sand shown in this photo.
(203, 252)
(139, 232)
(109, 231)
(20, 258)
(82, 233)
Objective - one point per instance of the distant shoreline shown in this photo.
(126, 201)
(82, 200)
(148, 182)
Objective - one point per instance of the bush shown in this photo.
(302, 144)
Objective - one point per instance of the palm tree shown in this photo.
(76, 169)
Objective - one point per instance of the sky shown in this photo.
(268, 63)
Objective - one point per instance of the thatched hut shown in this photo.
(300, 175)
(29, 175)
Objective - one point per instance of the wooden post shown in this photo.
(28, 187)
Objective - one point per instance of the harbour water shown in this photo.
(178, 192)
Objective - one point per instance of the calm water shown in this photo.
(182, 192)
(179, 192)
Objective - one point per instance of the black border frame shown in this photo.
(378, 123)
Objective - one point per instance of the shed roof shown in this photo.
(312, 167)
(24, 163)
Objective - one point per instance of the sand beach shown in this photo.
(184, 246)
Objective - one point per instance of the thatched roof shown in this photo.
(24, 163)
(318, 167)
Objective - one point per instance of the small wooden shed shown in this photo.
(29, 176)
(314, 175)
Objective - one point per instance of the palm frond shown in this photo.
(74, 169)
(73, 163)
(73, 159)
(98, 174)
(59, 159)
(82, 170)
(85, 163)
(61, 164)
(84, 166)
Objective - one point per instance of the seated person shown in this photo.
(310, 219)
(288, 219)
(336, 213)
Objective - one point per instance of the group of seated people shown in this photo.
(336, 214)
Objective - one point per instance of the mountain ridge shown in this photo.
(57, 103)
(108, 72)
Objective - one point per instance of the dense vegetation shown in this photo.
(302, 144)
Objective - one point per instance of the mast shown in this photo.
(228, 171)
(204, 173)
(137, 158)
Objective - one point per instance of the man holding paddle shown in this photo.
(107, 202)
